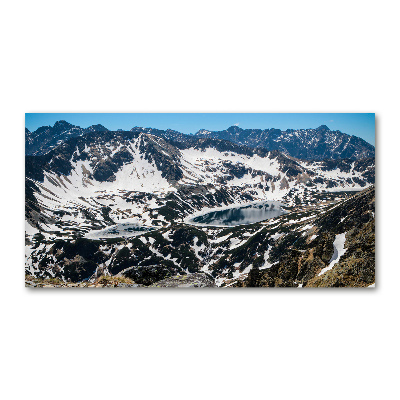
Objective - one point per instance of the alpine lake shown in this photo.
(241, 215)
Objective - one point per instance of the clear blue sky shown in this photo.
(362, 125)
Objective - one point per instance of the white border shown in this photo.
(178, 56)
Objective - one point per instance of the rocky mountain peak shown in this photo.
(97, 128)
(322, 128)
(234, 129)
(62, 125)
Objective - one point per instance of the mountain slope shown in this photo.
(334, 249)
(330, 245)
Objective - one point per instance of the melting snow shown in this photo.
(222, 238)
(277, 236)
(339, 250)
(267, 264)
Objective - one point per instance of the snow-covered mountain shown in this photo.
(320, 143)
(99, 178)
(307, 144)
(84, 170)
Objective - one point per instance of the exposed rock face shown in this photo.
(197, 280)
(76, 260)
(164, 156)
(101, 282)
(148, 274)
(46, 138)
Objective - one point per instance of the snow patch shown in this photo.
(338, 251)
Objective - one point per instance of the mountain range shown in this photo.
(320, 143)
(317, 144)
(81, 183)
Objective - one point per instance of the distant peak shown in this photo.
(234, 128)
(97, 128)
(62, 124)
(323, 128)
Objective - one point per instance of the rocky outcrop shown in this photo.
(197, 280)
(101, 282)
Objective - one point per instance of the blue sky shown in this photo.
(362, 125)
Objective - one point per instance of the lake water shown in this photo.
(242, 215)
(119, 230)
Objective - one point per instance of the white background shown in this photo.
(208, 56)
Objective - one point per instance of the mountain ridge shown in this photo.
(319, 143)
